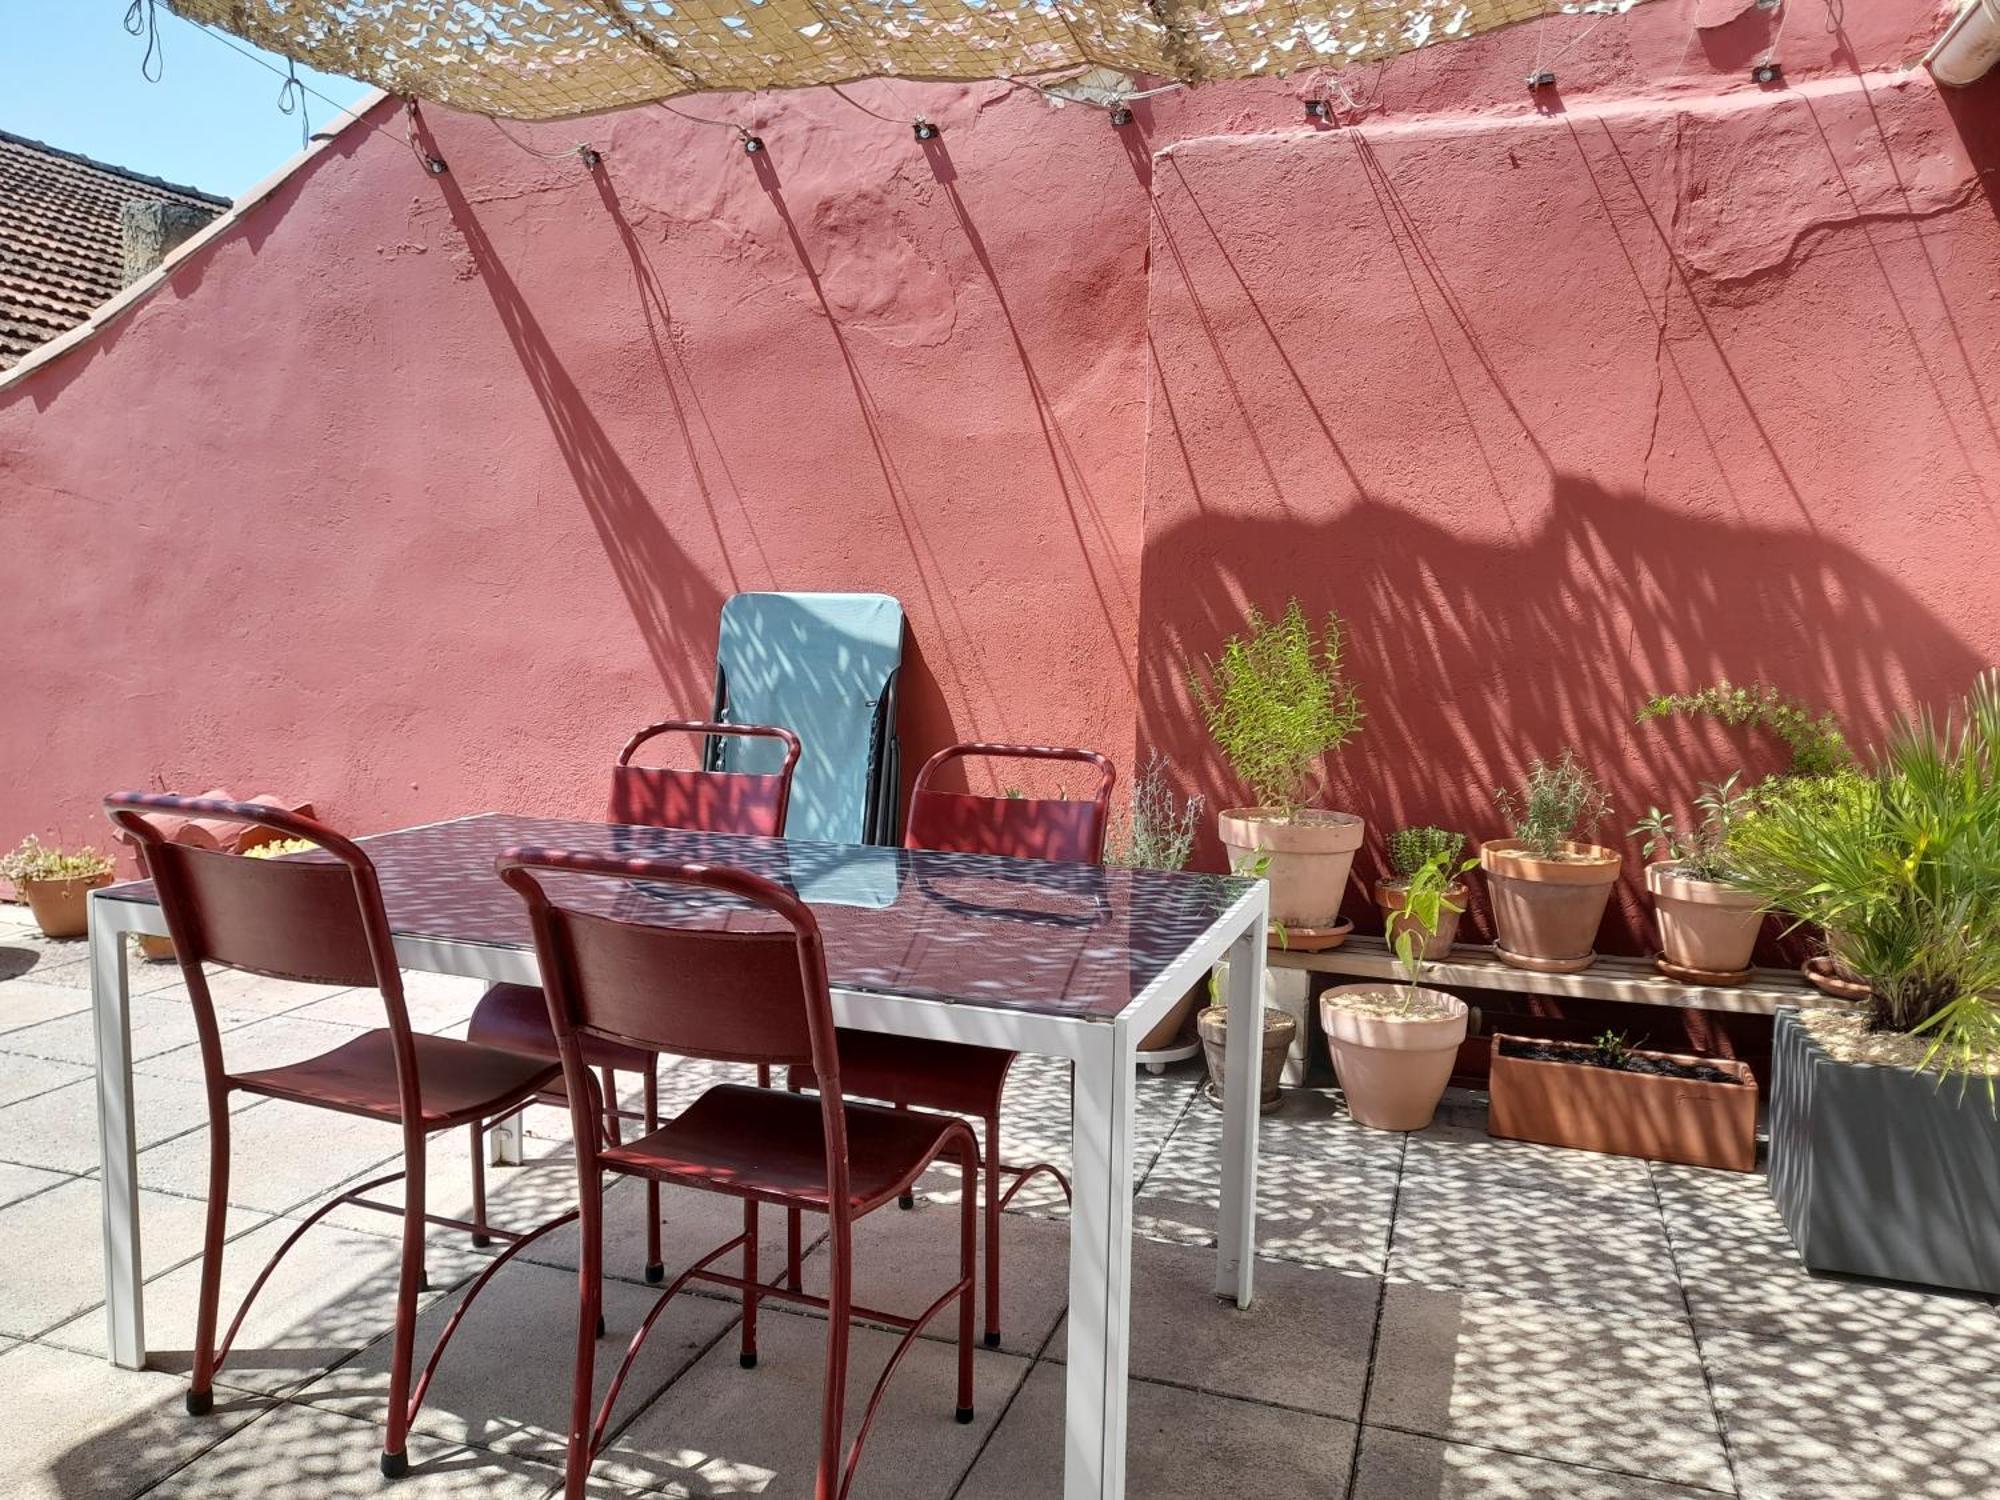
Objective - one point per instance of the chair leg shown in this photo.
(409, 1285)
(201, 1393)
(905, 1201)
(968, 1237)
(748, 1356)
(992, 1207)
(610, 1101)
(839, 1315)
(589, 1323)
(656, 1271)
(480, 1238)
(794, 1251)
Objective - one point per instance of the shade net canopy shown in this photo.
(555, 59)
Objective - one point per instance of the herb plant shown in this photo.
(1901, 863)
(1426, 900)
(34, 860)
(1702, 854)
(1276, 701)
(1410, 849)
(1555, 800)
(1813, 738)
(1613, 1051)
(1158, 832)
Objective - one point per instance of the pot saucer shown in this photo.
(1822, 974)
(1544, 965)
(1311, 939)
(1213, 1095)
(1716, 978)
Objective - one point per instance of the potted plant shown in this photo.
(1394, 1047)
(1608, 1097)
(1157, 833)
(1885, 1118)
(1708, 927)
(1412, 850)
(1279, 1029)
(56, 884)
(1811, 738)
(1276, 702)
(1548, 890)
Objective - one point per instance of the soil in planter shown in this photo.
(1659, 1067)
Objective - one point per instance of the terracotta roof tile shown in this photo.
(61, 248)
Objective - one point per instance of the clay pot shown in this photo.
(1306, 858)
(1279, 1029)
(1389, 896)
(1392, 1069)
(1547, 911)
(1621, 1113)
(62, 907)
(1173, 1025)
(1703, 923)
(157, 950)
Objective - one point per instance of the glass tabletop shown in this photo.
(1060, 939)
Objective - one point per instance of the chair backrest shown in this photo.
(737, 996)
(316, 920)
(705, 801)
(1023, 827)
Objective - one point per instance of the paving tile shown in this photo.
(26, 954)
(1302, 1342)
(904, 1260)
(1721, 1221)
(24, 1077)
(505, 1380)
(307, 1451)
(74, 1427)
(435, 1002)
(232, 989)
(1179, 1444)
(283, 1156)
(17, 1183)
(60, 1235)
(1309, 1122)
(1833, 1420)
(1609, 1388)
(331, 1295)
(1453, 1156)
(723, 1430)
(252, 1042)
(58, 1129)
(157, 1026)
(1401, 1466)
(24, 1002)
(1605, 1249)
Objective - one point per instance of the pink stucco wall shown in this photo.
(413, 493)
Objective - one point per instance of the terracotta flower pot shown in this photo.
(1702, 1123)
(1704, 924)
(1389, 895)
(1279, 1028)
(156, 950)
(1392, 1068)
(61, 907)
(1174, 1023)
(1548, 910)
(1306, 858)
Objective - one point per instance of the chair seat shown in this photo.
(918, 1072)
(458, 1081)
(771, 1145)
(515, 1018)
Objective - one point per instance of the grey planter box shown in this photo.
(1880, 1171)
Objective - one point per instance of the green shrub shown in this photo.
(1704, 853)
(1158, 832)
(1813, 738)
(1276, 701)
(1410, 849)
(34, 860)
(1555, 801)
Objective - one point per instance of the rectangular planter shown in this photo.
(1626, 1114)
(1882, 1171)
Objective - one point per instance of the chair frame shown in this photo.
(834, 1479)
(132, 813)
(647, 1116)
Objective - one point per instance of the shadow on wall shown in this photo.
(1474, 656)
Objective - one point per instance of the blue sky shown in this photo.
(69, 76)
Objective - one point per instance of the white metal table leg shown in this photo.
(117, 1140)
(1100, 1265)
(505, 1139)
(1236, 1244)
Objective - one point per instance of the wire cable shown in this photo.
(141, 19)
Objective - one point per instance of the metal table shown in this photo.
(1065, 961)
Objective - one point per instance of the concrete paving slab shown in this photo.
(57, 1130)
(1610, 1388)
(25, 1002)
(1182, 1445)
(283, 1156)
(722, 1430)
(17, 1183)
(1402, 1466)
(259, 1042)
(158, 1026)
(235, 989)
(24, 1077)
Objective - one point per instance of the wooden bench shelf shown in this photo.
(1632, 980)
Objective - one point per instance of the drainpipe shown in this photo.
(1969, 47)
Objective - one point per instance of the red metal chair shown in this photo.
(515, 1017)
(915, 1073)
(657, 988)
(321, 920)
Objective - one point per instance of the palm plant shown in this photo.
(1901, 865)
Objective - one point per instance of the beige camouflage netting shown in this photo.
(551, 59)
